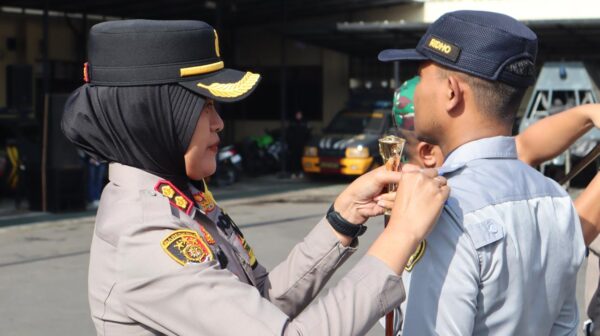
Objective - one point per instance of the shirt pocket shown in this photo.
(484, 233)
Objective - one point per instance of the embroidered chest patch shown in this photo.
(415, 257)
(186, 246)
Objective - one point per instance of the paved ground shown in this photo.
(43, 266)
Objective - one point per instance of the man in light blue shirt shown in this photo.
(504, 255)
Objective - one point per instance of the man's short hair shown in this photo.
(497, 99)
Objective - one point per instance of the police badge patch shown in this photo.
(186, 246)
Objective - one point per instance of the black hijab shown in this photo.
(147, 127)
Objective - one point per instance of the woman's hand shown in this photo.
(419, 201)
(357, 202)
(386, 200)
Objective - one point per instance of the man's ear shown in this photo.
(454, 93)
(427, 155)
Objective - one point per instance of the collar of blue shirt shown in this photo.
(500, 147)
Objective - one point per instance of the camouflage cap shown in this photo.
(403, 101)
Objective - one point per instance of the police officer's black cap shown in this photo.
(480, 43)
(150, 52)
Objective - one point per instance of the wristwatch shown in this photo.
(342, 226)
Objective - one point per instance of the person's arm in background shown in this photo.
(551, 136)
(588, 210)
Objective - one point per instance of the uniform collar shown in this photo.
(500, 147)
(137, 178)
(131, 176)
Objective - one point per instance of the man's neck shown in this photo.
(462, 132)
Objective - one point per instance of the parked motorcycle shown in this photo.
(229, 167)
(263, 154)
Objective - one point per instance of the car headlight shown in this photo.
(357, 152)
(310, 151)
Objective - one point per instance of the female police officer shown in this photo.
(164, 258)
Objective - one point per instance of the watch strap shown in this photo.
(342, 226)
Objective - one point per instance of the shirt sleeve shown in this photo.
(204, 299)
(295, 282)
(444, 284)
(201, 298)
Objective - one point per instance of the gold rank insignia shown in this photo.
(415, 257)
(176, 197)
(186, 246)
(167, 191)
(181, 202)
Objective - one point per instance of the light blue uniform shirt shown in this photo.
(504, 255)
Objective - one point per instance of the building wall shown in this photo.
(519, 9)
(255, 46)
(28, 32)
(261, 46)
(412, 12)
(11, 27)
(335, 83)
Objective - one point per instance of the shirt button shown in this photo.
(493, 228)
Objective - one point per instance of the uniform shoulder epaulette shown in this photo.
(175, 196)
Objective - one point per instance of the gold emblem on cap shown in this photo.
(232, 90)
(167, 191)
(217, 51)
(201, 69)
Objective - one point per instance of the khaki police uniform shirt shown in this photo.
(161, 266)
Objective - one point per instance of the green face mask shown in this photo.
(403, 105)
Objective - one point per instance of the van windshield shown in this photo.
(356, 122)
